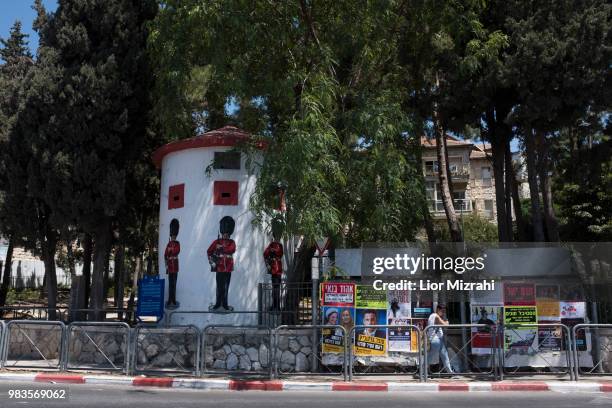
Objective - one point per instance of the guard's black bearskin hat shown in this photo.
(226, 225)
(174, 227)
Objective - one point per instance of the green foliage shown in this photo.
(17, 61)
(583, 186)
(322, 85)
(475, 229)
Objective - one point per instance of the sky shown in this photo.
(12, 10)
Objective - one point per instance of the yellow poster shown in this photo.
(548, 309)
(547, 302)
(370, 344)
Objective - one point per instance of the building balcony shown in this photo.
(436, 207)
(459, 172)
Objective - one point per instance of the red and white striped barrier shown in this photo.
(278, 385)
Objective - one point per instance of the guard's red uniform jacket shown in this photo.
(171, 256)
(274, 257)
(223, 249)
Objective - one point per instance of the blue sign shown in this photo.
(151, 297)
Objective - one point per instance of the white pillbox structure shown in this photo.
(198, 200)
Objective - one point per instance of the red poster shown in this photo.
(338, 294)
(519, 294)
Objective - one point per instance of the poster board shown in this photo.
(338, 300)
(370, 309)
(482, 337)
(399, 313)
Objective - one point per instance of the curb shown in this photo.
(278, 385)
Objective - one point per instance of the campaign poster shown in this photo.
(572, 292)
(581, 343)
(338, 294)
(399, 313)
(549, 337)
(515, 336)
(483, 337)
(547, 302)
(520, 315)
(333, 339)
(519, 294)
(398, 305)
(422, 305)
(370, 341)
(573, 310)
(400, 338)
(369, 298)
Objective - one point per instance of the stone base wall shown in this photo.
(167, 349)
(232, 351)
(46, 338)
(96, 346)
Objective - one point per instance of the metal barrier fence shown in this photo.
(601, 354)
(519, 355)
(436, 341)
(97, 346)
(26, 341)
(402, 362)
(64, 314)
(298, 351)
(294, 300)
(237, 349)
(289, 350)
(174, 349)
(32, 312)
(271, 318)
(2, 335)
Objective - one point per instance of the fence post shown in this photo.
(2, 341)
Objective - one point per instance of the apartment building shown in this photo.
(471, 176)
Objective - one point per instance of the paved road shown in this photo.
(97, 396)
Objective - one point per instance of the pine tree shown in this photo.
(16, 61)
(86, 115)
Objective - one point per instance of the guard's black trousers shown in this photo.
(223, 282)
(172, 288)
(276, 287)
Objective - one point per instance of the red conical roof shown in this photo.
(227, 136)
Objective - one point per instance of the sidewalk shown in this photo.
(310, 383)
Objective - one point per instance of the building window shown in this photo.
(227, 161)
(430, 190)
(488, 208)
(486, 176)
(176, 196)
(225, 193)
(460, 202)
(431, 167)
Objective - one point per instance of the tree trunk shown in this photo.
(449, 175)
(87, 250)
(49, 245)
(135, 275)
(119, 280)
(550, 220)
(6, 276)
(447, 200)
(103, 243)
(536, 216)
(107, 272)
(518, 211)
(498, 152)
(76, 288)
(508, 173)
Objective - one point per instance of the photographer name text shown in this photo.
(426, 284)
